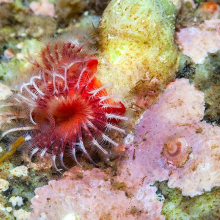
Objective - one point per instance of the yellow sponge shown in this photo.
(137, 43)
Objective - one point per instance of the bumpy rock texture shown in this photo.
(176, 115)
(175, 121)
(90, 195)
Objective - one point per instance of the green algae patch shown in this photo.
(206, 78)
(15, 68)
(137, 43)
(21, 186)
(177, 206)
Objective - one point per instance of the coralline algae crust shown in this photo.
(93, 197)
(176, 115)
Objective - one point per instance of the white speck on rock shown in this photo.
(19, 171)
(8, 209)
(129, 139)
(5, 91)
(21, 214)
(4, 184)
(16, 200)
(71, 216)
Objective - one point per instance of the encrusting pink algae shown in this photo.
(64, 111)
(88, 195)
(144, 164)
(176, 116)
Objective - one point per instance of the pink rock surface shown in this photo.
(6, 1)
(43, 8)
(197, 42)
(201, 171)
(91, 194)
(176, 116)
(93, 197)
(180, 106)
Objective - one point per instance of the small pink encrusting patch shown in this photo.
(88, 195)
(43, 8)
(6, 1)
(197, 42)
(176, 116)
(176, 152)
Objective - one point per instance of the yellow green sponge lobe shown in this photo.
(137, 43)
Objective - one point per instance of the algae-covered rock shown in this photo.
(177, 206)
(15, 68)
(137, 43)
(206, 78)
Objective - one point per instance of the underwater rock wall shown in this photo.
(171, 142)
(175, 119)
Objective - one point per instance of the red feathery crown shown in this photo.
(63, 103)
